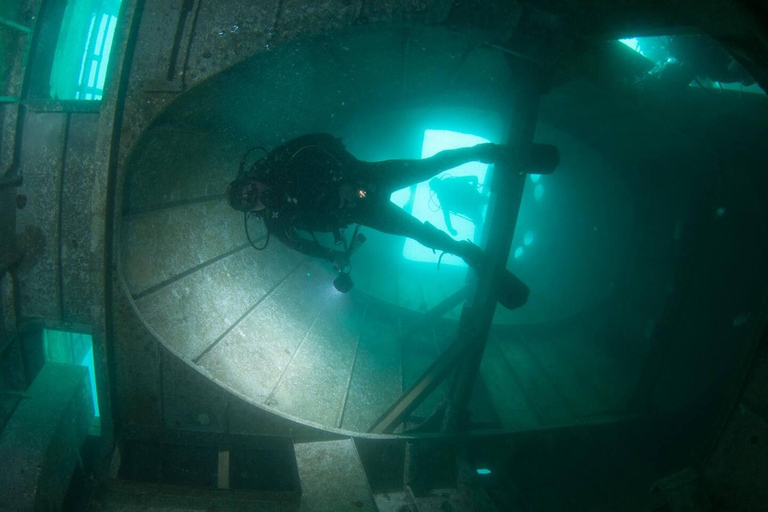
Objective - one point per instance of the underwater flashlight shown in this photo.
(343, 283)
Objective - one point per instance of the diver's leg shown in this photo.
(397, 174)
(389, 218)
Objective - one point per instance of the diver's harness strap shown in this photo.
(338, 235)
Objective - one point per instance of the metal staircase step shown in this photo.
(376, 378)
(333, 478)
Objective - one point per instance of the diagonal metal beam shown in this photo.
(438, 311)
(413, 397)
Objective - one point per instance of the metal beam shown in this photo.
(507, 186)
(438, 311)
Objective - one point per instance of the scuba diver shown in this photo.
(459, 196)
(313, 184)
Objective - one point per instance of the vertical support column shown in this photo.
(506, 196)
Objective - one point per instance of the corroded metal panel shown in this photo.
(151, 252)
(300, 17)
(137, 368)
(192, 313)
(172, 165)
(315, 384)
(190, 400)
(76, 216)
(253, 356)
(226, 33)
(737, 464)
(377, 377)
(332, 477)
(246, 418)
(161, 45)
(37, 225)
(41, 443)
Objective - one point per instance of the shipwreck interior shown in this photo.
(152, 359)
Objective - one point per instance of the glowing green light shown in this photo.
(81, 58)
(308, 273)
(483, 471)
(720, 212)
(528, 238)
(72, 348)
(535, 177)
(538, 192)
(422, 199)
(518, 252)
(631, 42)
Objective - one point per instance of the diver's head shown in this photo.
(245, 195)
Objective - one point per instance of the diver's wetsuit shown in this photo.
(304, 177)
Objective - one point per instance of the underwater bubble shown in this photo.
(483, 471)
(518, 252)
(538, 192)
(528, 238)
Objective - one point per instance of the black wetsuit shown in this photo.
(304, 177)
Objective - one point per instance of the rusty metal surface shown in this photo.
(314, 387)
(192, 313)
(123, 496)
(41, 442)
(76, 217)
(376, 380)
(137, 364)
(736, 470)
(190, 402)
(332, 478)
(163, 244)
(253, 356)
(37, 225)
(205, 161)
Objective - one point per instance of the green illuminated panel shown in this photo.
(72, 348)
(82, 52)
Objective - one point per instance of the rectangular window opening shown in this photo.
(82, 52)
(463, 185)
(73, 348)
